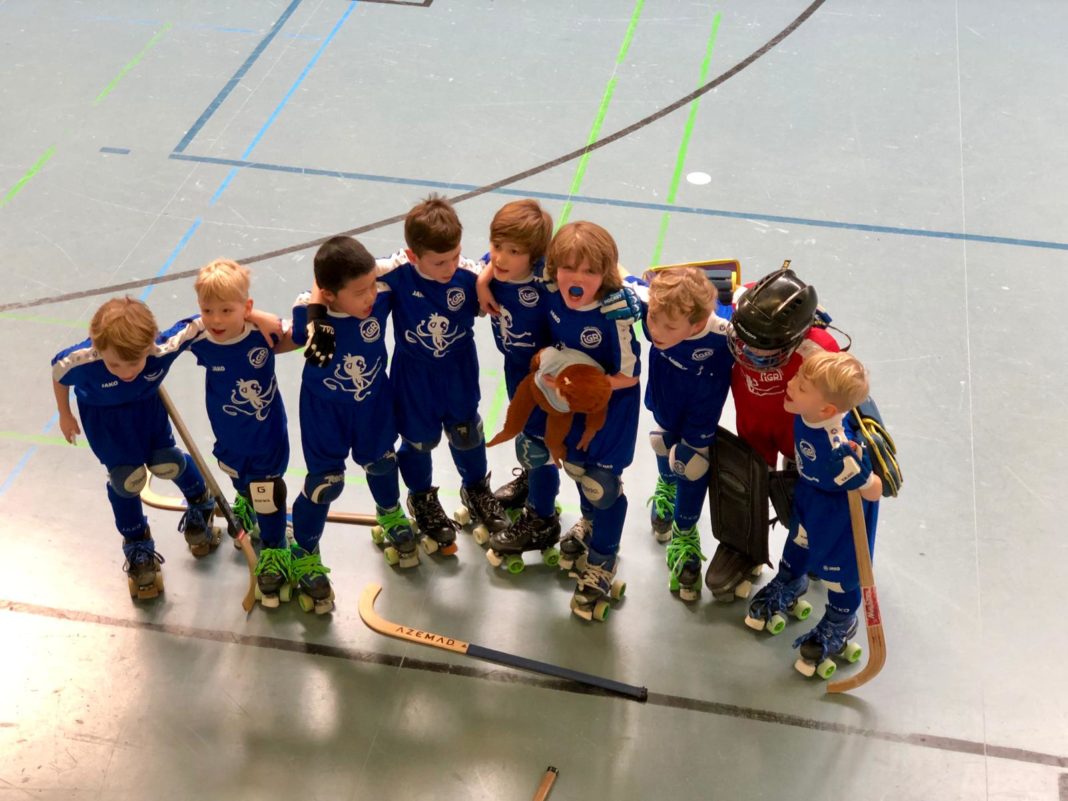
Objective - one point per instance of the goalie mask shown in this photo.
(771, 320)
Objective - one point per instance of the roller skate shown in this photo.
(437, 530)
(481, 507)
(767, 610)
(245, 514)
(730, 574)
(308, 573)
(684, 559)
(662, 509)
(830, 639)
(143, 572)
(528, 533)
(574, 545)
(596, 585)
(273, 583)
(196, 524)
(396, 533)
(513, 496)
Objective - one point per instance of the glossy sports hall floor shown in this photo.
(909, 157)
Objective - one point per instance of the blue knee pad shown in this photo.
(324, 488)
(382, 466)
(465, 436)
(420, 447)
(600, 487)
(168, 463)
(688, 462)
(128, 480)
(531, 452)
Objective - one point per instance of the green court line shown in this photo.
(500, 398)
(41, 439)
(29, 318)
(131, 64)
(602, 110)
(25, 179)
(680, 159)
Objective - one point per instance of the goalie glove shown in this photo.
(321, 341)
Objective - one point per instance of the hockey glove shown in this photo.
(321, 341)
(623, 304)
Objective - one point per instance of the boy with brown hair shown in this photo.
(830, 462)
(116, 374)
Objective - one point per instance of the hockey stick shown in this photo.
(390, 629)
(546, 784)
(873, 620)
(224, 507)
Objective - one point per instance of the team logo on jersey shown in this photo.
(590, 337)
(353, 376)
(528, 296)
(455, 298)
(156, 376)
(249, 398)
(508, 338)
(257, 357)
(805, 449)
(770, 382)
(433, 334)
(701, 354)
(370, 330)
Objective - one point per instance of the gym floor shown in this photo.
(908, 157)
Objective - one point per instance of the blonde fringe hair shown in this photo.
(223, 280)
(682, 292)
(524, 223)
(125, 326)
(585, 241)
(839, 377)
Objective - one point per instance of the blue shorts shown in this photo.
(825, 518)
(330, 431)
(243, 467)
(612, 447)
(128, 433)
(430, 395)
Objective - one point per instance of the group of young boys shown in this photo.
(562, 297)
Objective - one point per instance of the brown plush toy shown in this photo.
(581, 388)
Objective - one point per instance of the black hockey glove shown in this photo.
(321, 342)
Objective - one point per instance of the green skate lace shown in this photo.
(245, 514)
(392, 518)
(275, 560)
(663, 498)
(310, 564)
(684, 546)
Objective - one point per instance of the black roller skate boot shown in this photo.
(574, 546)
(196, 524)
(730, 574)
(483, 509)
(596, 586)
(513, 496)
(662, 509)
(684, 559)
(437, 530)
(528, 533)
(308, 573)
(769, 607)
(143, 572)
(832, 638)
(274, 581)
(395, 532)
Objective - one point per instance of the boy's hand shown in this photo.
(874, 490)
(623, 304)
(270, 325)
(68, 425)
(321, 340)
(486, 301)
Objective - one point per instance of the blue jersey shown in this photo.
(610, 343)
(244, 406)
(81, 366)
(431, 320)
(824, 459)
(357, 372)
(522, 327)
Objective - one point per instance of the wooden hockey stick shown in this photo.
(546, 784)
(390, 629)
(873, 620)
(220, 500)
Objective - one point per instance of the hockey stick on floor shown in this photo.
(390, 629)
(220, 500)
(873, 620)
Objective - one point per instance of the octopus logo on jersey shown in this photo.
(509, 340)
(455, 298)
(528, 296)
(249, 398)
(805, 449)
(770, 382)
(590, 337)
(257, 357)
(353, 376)
(370, 330)
(156, 376)
(433, 334)
(701, 354)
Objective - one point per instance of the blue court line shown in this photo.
(238, 164)
(174, 254)
(236, 79)
(24, 460)
(119, 151)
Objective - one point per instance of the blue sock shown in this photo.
(385, 488)
(190, 481)
(544, 487)
(272, 529)
(794, 557)
(309, 520)
(843, 604)
(689, 501)
(608, 527)
(129, 514)
(470, 464)
(416, 468)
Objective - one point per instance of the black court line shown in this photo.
(504, 676)
(416, 3)
(482, 190)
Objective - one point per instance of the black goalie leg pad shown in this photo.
(781, 485)
(738, 496)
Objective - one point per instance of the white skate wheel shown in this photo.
(852, 651)
(826, 668)
(462, 516)
(551, 557)
(805, 668)
(481, 534)
(285, 593)
(268, 601)
(493, 558)
(802, 609)
(689, 593)
(378, 535)
(662, 536)
(601, 610)
(392, 556)
(429, 544)
(776, 624)
(412, 560)
(618, 588)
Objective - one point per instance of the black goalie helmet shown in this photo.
(771, 320)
